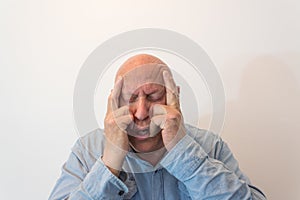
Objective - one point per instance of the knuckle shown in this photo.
(175, 114)
(109, 120)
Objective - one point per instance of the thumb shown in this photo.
(157, 123)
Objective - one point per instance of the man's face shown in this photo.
(143, 88)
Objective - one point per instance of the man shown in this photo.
(146, 151)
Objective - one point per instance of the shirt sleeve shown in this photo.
(78, 183)
(206, 177)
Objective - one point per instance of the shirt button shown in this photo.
(121, 192)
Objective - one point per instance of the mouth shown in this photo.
(140, 133)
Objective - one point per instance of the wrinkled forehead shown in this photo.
(144, 74)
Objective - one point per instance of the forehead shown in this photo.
(147, 88)
(149, 76)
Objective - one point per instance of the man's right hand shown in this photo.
(115, 124)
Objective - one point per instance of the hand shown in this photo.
(115, 124)
(168, 117)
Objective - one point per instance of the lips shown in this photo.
(138, 131)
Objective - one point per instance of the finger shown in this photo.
(123, 122)
(124, 110)
(109, 104)
(158, 120)
(171, 89)
(157, 124)
(158, 116)
(157, 109)
(116, 93)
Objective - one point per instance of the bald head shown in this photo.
(136, 61)
(143, 85)
(140, 70)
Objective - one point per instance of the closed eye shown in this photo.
(133, 98)
(155, 97)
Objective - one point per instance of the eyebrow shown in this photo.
(150, 92)
(157, 90)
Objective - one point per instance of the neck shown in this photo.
(153, 157)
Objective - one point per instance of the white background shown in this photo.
(254, 44)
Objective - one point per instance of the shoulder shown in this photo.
(210, 142)
(216, 148)
(89, 148)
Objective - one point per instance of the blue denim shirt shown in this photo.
(200, 166)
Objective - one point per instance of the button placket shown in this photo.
(157, 185)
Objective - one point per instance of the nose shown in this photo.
(141, 109)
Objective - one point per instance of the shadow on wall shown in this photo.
(264, 126)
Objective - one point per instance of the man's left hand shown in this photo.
(168, 117)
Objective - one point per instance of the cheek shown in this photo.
(131, 108)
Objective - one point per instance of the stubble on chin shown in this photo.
(147, 145)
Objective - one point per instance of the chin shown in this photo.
(147, 145)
